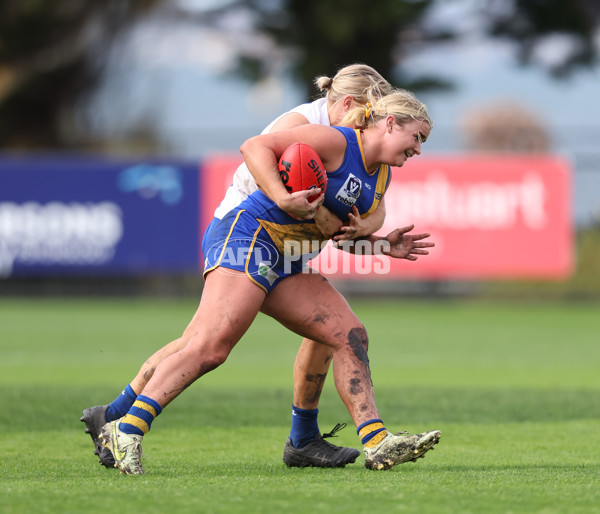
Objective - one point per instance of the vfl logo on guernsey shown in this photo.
(350, 191)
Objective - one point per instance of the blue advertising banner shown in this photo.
(65, 216)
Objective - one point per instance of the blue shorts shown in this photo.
(238, 242)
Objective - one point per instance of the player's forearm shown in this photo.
(368, 245)
(373, 222)
(327, 222)
(262, 163)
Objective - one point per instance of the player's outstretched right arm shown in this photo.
(398, 244)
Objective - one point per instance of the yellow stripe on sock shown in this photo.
(376, 439)
(146, 407)
(366, 430)
(136, 422)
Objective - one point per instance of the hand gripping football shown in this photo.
(300, 168)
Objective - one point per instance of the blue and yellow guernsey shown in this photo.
(350, 185)
(256, 236)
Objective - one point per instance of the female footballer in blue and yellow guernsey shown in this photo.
(392, 130)
(351, 186)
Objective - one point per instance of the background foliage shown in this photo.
(53, 55)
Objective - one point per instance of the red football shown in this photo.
(300, 168)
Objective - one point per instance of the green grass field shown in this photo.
(514, 389)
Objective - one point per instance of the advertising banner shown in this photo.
(93, 216)
(490, 217)
(217, 176)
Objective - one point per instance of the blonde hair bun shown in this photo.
(358, 80)
(324, 83)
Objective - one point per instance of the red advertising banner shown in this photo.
(490, 217)
(216, 176)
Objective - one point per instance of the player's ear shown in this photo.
(348, 102)
(389, 123)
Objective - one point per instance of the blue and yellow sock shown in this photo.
(371, 432)
(140, 417)
(121, 404)
(304, 426)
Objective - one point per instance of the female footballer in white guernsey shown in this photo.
(392, 130)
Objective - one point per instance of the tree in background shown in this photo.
(532, 23)
(52, 57)
(323, 35)
(53, 54)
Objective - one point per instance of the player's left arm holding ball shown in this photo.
(262, 154)
(329, 224)
(327, 142)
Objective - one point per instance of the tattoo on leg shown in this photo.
(318, 380)
(358, 343)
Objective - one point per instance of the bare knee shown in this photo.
(205, 358)
(212, 361)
